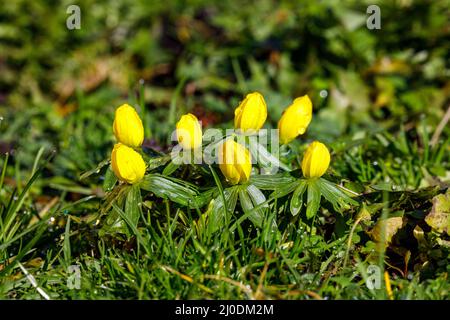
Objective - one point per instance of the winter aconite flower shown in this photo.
(128, 127)
(189, 132)
(127, 164)
(295, 119)
(251, 113)
(316, 160)
(235, 161)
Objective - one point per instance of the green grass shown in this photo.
(171, 254)
(60, 205)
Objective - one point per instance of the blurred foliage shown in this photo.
(223, 50)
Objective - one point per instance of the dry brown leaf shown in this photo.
(439, 217)
(388, 226)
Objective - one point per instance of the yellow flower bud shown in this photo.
(128, 127)
(127, 164)
(251, 113)
(295, 119)
(235, 161)
(316, 160)
(189, 132)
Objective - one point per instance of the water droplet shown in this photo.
(375, 163)
(323, 93)
(141, 81)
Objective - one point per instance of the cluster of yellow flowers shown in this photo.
(126, 162)
(249, 117)
(234, 158)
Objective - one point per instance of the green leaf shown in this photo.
(66, 243)
(114, 223)
(132, 208)
(383, 186)
(247, 205)
(272, 182)
(313, 202)
(333, 194)
(217, 215)
(110, 180)
(131, 225)
(170, 168)
(284, 190)
(95, 170)
(170, 188)
(256, 195)
(157, 162)
(265, 159)
(297, 198)
(249, 198)
(205, 197)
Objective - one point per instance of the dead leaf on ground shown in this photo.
(388, 226)
(439, 216)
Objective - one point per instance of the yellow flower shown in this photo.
(189, 132)
(295, 119)
(235, 162)
(251, 113)
(128, 127)
(316, 160)
(127, 164)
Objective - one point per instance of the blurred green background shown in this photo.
(59, 87)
